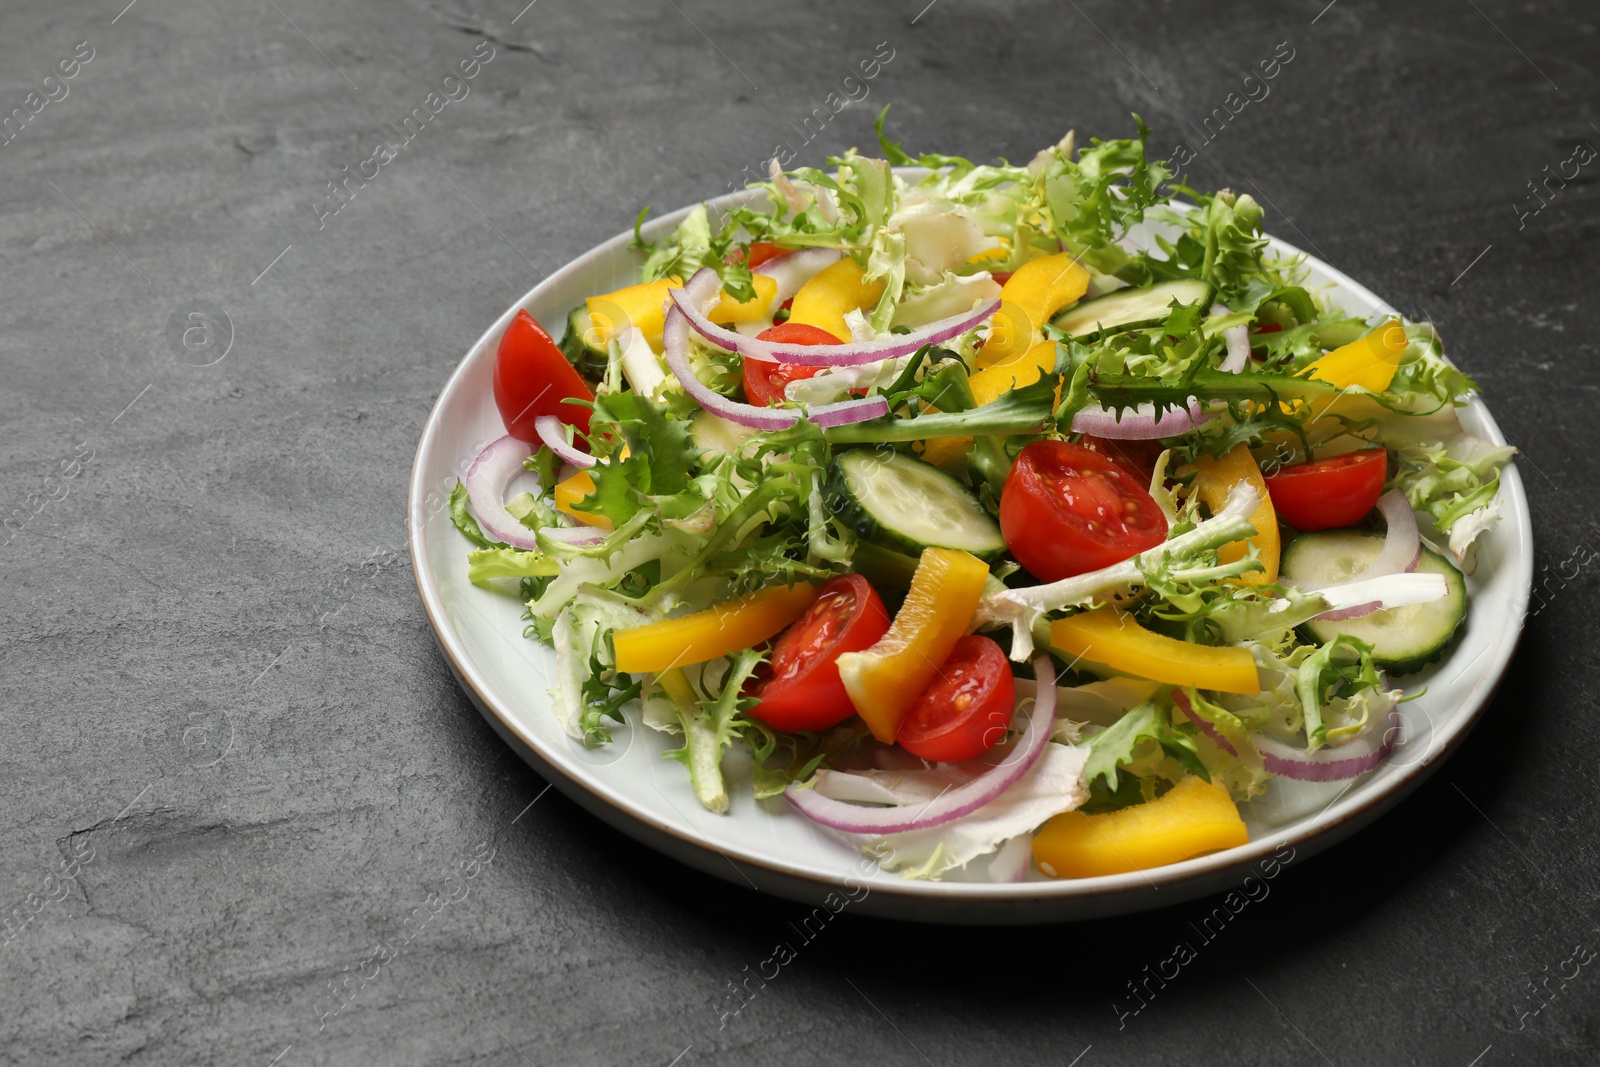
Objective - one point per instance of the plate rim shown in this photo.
(583, 784)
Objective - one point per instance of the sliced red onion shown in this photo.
(1349, 760)
(1360, 611)
(845, 355)
(1014, 860)
(1402, 545)
(897, 778)
(675, 348)
(675, 344)
(780, 182)
(574, 535)
(1390, 591)
(845, 412)
(1138, 423)
(1402, 550)
(553, 432)
(855, 819)
(486, 483)
(793, 269)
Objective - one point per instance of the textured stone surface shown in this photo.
(224, 714)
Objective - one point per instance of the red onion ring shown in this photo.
(1139, 423)
(1392, 590)
(845, 412)
(574, 535)
(1013, 861)
(486, 483)
(553, 432)
(1402, 545)
(1349, 760)
(819, 355)
(1402, 550)
(855, 819)
(1360, 611)
(793, 269)
(675, 348)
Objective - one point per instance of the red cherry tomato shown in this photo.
(1067, 510)
(532, 378)
(800, 687)
(1002, 276)
(797, 333)
(1138, 458)
(1325, 493)
(760, 252)
(965, 710)
(1258, 331)
(763, 381)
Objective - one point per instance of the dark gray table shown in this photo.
(237, 775)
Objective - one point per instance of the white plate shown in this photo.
(774, 849)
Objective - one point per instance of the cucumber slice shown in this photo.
(903, 503)
(585, 357)
(1403, 640)
(1129, 309)
(890, 572)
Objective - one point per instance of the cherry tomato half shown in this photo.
(1259, 331)
(1068, 510)
(760, 252)
(800, 687)
(965, 709)
(1325, 493)
(1138, 458)
(532, 378)
(763, 381)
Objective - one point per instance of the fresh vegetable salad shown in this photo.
(996, 540)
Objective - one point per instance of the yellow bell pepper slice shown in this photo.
(1038, 290)
(998, 254)
(1214, 480)
(823, 301)
(758, 307)
(884, 680)
(574, 489)
(1110, 636)
(677, 688)
(1369, 361)
(644, 306)
(717, 631)
(940, 451)
(636, 305)
(990, 384)
(1191, 818)
(996, 380)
